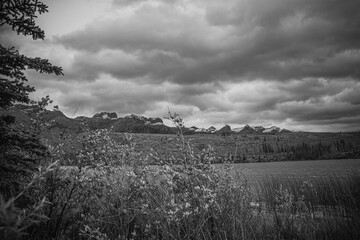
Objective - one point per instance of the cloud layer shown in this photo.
(293, 63)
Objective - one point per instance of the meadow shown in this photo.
(244, 148)
(301, 170)
(65, 180)
(112, 191)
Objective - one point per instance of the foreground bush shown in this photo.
(323, 208)
(113, 193)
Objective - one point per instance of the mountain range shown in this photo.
(57, 121)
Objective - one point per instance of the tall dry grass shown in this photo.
(114, 194)
(329, 205)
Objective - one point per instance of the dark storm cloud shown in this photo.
(317, 101)
(150, 28)
(107, 94)
(306, 111)
(158, 65)
(311, 89)
(248, 40)
(284, 62)
(351, 95)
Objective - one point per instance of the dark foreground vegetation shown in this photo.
(247, 148)
(113, 193)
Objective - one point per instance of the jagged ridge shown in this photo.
(57, 121)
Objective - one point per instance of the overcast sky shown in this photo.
(290, 63)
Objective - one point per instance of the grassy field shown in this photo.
(302, 170)
(328, 207)
(258, 148)
(113, 193)
(237, 148)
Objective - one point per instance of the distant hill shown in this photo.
(224, 130)
(272, 129)
(254, 143)
(140, 124)
(203, 130)
(57, 122)
(247, 130)
(106, 115)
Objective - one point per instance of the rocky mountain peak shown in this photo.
(272, 129)
(259, 128)
(225, 129)
(211, 129)
(247, 129)
(145, 120)
(106, 115)
(135, 117)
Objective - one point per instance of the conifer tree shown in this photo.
(19, 150)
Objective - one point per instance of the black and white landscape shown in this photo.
(292, 64)
(180, 119)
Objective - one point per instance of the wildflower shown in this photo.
(186, 213)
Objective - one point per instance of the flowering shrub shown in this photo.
(292, 216)
(113, 193)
